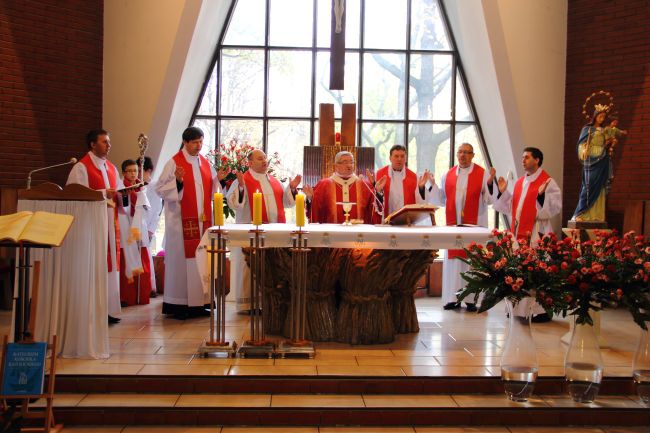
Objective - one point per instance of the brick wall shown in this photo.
(608, 48)
(50, 84)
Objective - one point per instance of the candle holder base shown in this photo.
(256, 349)
(218, 349)
(296, 349)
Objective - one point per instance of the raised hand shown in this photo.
(502, 184)
(379, 186)
(542, 187)
(426, 176)
(179, 173)
(493, 172)
(240, 179)
(222, 173)
(293, 184)
(308, 191)
(371, 176)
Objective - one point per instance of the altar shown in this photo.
(360, 278)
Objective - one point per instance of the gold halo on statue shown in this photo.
(600, 107)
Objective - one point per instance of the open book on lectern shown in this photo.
(40, 227)
(412, 214)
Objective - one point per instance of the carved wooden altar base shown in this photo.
(355, 296)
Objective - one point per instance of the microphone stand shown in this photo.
(29, 175)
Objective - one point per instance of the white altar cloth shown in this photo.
(359, 236)
(383, 237)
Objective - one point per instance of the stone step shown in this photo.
(317, 384)
(350, 409)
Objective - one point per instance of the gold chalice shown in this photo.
(347, 207)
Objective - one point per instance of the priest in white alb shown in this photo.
(465, 194)
(402, 185)
(95, 171)
(186, 186)
(536, 198)
(275, 198)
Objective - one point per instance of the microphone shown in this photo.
(29, 176)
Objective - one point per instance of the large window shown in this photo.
(271, 71)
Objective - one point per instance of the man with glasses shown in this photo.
(345, 186)
(466, 193)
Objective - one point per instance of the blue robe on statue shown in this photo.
(597, 169)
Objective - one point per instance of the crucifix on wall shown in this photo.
(337, 45)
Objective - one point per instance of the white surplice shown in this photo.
(152, 219)
(396, 193)
(552, 206)
(79, 175)
(452, 281)
(239, 271)
(183, 286)
(133, 235)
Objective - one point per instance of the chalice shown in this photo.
(347, 207)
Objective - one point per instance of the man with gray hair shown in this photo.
(345, 186)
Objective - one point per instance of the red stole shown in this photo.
(472, 201)
(133, 195)
(189, 209)
(409, 185)
(96, 181)
(528, 214)
(253, 185)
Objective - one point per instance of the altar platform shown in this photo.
(445, 374)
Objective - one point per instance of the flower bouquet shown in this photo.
(234, 158)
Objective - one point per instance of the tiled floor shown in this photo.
(450, 343)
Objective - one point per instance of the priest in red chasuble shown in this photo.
(536, 199)
(275, 198)
(465, 193)
(345, 186)
(402, 185)
(95, 171)
(186, 186)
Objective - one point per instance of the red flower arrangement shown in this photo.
(564, 276)
(234, 157)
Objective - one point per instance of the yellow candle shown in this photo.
(257, 208)
(218, 209)
(300, 210)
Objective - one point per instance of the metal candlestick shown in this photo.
(258, 345)
(298, 346)
(217, 344)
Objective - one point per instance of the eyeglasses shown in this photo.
(467, 152)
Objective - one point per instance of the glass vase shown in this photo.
(641, 366)
(519, 358)
(583, 364)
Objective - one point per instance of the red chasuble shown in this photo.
(472, 201)
(409, 185)
(96, 181)
(252, 185)
(526, 222)
(189, 209)
(327, 193)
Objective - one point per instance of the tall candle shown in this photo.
(257, 208)
(218, 209)
(300, 210)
